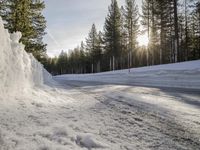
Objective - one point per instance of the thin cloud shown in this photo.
(53, 38)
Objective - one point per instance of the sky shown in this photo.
(69, 22)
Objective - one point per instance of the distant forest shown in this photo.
(172, 26)
(173, 29)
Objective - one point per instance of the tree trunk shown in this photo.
(148, 33)
(113, 63)
(110, 64)
(186, 33)
(176, 40)
(92, 68)
(161, 38)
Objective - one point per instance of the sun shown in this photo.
(143, 39)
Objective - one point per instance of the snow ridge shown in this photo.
(18, 69)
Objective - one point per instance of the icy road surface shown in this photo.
(77, 115)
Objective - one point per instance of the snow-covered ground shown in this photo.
(110, 117)
(100, 111)
(185, 74)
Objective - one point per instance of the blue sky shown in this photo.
(69, 21)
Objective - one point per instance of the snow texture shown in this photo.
(38, 113)
(27, 101)
(18, 70)
(181, 75)
(88, 141)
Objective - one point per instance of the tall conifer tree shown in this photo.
(92, 47)
(112, 34)
(132, 27)
(39, 26)
(26, 16)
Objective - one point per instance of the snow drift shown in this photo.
(18, 69)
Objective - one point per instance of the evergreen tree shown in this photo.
(112, 34)
(198, 26)
(99, 51)
(26, 16)
(92, 47)
(132, 27)
(176, 32)
(83, 58)
(149, 21)
(146, 23)
(186, 32)
(3, 8)
(124, 41)
(1, 5)
(62, 63)
(39, 26)
(19, 19)
(163, 27)
(194, 47)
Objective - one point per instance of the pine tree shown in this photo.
(19, 19)
(1, 5)
(83, 58)
(146, 22)
(132, 27)
(39, 26)
(124, 41)
(112, 34)
(195, 33)
(99, 51)
(163, 21)
(176, 32)
(62, 62)
(26, 16)
(149, 21)
(92, 47)
(198, 26)
(185, 54)
(3, 8)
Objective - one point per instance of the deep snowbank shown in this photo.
(18, 69)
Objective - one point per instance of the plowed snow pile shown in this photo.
(18, 70)
(33, 113)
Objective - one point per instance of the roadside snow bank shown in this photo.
(18, 69)
(181, 75)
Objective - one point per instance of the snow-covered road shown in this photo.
(79, 115)
(132, 117)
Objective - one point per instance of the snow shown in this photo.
(105, 112)
(28, 104)
(88, 141)
(17, 65)
(181, 75)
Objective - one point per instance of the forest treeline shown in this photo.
(26, 16)
(172, 26)
(173, 29)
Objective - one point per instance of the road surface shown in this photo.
(135, 117)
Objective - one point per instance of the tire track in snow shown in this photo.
(137, 125)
